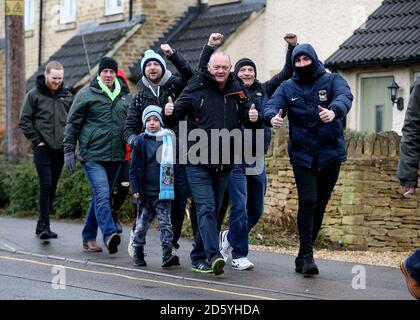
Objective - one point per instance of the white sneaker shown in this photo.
(224, 245)
(130, 245)
(242, 264)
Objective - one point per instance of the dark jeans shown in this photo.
(413, 265)
(179, 203)
(314, 190)
(150, 208)
(49, 163)
(207, 188)
(101, 176)
(122, 189)
(247, 194)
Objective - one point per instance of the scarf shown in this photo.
(166, 164)
(112, 95)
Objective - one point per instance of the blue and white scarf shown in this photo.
(166, 163)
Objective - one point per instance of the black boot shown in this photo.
(299, 264)
(309, 266)
(46, 232)
(138, 257)
(168, 258)
(38, 229)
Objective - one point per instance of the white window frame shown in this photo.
(29, 14)
(114, 7)
(68, 10)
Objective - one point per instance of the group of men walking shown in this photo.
(169, 166)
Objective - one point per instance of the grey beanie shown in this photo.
(152, 110)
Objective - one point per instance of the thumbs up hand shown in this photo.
(277, 120)
(253, 113)
(326, 115)
(169, 107)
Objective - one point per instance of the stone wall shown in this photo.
(366, 209)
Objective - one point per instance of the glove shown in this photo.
(70, 161)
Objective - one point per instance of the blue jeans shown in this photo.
(207, 189)
(101, 177)
(247, 196)
(413, 265)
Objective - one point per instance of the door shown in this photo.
(375, 106)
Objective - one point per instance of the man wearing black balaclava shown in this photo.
(315, 103)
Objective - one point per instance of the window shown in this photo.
(375, 107)
(67, 11)
(416, 75)
(113, 7)
(29, 14)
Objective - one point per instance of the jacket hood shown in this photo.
(308, 50)
(166, 76)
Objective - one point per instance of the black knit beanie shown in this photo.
(107, 63)
(245, 62)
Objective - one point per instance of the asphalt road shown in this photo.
(60, 270)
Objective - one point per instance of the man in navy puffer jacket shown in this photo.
(315, 103)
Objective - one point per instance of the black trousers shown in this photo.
(48, 163)
(314, 190)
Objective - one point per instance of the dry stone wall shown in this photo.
(366, 209)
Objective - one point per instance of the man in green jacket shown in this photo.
(42, 120)
(96, 121)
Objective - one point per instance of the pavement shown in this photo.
(111, 276)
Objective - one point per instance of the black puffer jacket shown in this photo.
(208, 108)
(169, 86)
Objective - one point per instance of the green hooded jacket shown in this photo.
(96, 122)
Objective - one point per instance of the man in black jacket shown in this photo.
(42, 120)
(155, 87)
(216, 105)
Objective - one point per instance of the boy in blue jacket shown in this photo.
(152, 185)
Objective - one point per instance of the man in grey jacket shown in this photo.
(408, 166)
(42, 120)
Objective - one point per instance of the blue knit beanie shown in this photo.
(150, 55)
(150, 111)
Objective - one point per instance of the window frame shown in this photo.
(111, 7)
(65, 15)
(29, 18)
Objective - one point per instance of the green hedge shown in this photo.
(19, 192)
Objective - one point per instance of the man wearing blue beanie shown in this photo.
(156, 86)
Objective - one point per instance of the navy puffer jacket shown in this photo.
(310, 139)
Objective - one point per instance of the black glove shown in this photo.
(70, 161)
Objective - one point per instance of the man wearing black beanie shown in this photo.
(95, 123)
(107, 63)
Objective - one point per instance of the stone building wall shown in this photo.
(366, 209)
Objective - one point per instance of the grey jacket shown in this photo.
(408, 164)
